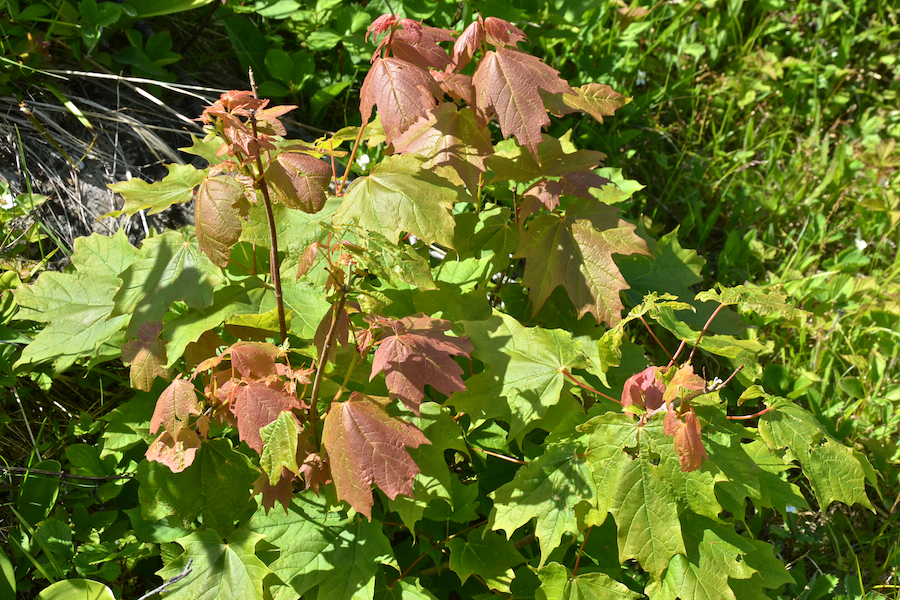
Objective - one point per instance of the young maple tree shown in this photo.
(406, 332)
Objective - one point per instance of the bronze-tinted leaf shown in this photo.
(366, 446)
(174, 408)
(419, 354)
(402, 91)
(147, 357)
(299, 181)
(176, 452)
(255, 406)
(218, 209)
(467, 43)
(507, 83)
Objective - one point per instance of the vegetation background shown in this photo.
(760, 136)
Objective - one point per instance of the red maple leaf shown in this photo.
(507, 83)
(420, 46)
(402, 91)
(174, 408)
(688, 443)
(176, 452)
(502, 33)
(418, 353)
(380, 25)
(283, 491)
(365, 446)
(256, 405)
(467, 43)
(644, 390)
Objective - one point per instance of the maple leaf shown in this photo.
(559, 583)
(487, 555)
(596, 99)
(174, 408)
(256, 405)
(175, 451)
(147, 357)
(507, 83)
(644, 390)
(380, 25)
(467, 43)
(688, 444)
(575, 251)
(456, 85)
(402, 91)
(218, 209)
(299, 180)
(548, 489)
(502, 33)
(253, 360)
(419, 45)
(175, 188)
(366, 446)
(283, 491)
(450, 137)
(418, 353)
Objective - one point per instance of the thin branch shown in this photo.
(166, 584)
(339, 189)
(703, 331)
(498, 455)
(653, 335)
(61, 475)
(580, 550)
(320, 368)
(748, 417)
(589, 388)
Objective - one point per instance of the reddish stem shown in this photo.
(703, 331)
(580, 550)
(748, 417)
(589, 388)
(500, 456)
(653, 335)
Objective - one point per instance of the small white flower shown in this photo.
(790, 509)
(834, 54)
(641, 78)
(716, 382)
(363, 161)
(861, 244)
(7, 201)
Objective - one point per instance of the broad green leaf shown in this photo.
(398, 196)
(434, 480)
(175, 188)
(171, 268)
(524, 371)
(7, 576)
(219, 570)
(215, 487)
(547, 488)
(246, 299)
(763, 301)
(338, 554)
(575, 251)
(486, 554)
(77, 309)
(558, 583)
(553, 161)
(281, 438)
(104, 256)
(404, 589)
(835, 472)
(76, 589)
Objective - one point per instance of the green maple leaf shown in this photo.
(219, 570)
(640, 481)
(171, 268)
(399, 196)
(175, 188)
(548, 489)
(435, 480)
(404, 589)
(575, 251)
(338, 554)
(281, 438)
(766, 300)
(215, 487)
(486, 554)
(834, 470)
(76, 306)
(558, 583)
(524, 371)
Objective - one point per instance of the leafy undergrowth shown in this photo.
(470, 328)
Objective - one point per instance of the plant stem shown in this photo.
(274, 265)
(340, 188)
(320, 368)
(589, 388)
(580, 550)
